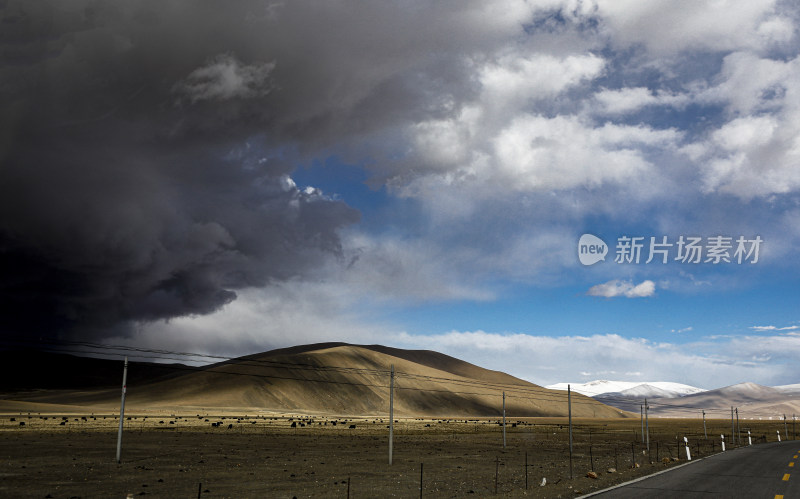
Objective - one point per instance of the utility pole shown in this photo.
(705, 433)
(785, 429)
(733, 429)
(391, 413)
(738, 428)
(569, 411)
(504, 420)
(647, 426)
(122, 409)
(641, 419)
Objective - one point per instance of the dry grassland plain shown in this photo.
(263, 455)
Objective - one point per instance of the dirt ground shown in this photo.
(264, 456)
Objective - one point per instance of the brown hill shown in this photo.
(340, 379)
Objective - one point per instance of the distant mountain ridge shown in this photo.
(662, 389)
(752, 400)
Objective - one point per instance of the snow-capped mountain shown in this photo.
(753, 401)
(788, 388)
(661, 389)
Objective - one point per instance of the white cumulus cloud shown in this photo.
(755, 152)
(617, 287)
(545, 360)
(627, 100)
(667, 27)
(774, 328)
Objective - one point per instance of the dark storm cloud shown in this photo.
(145, 147)
(140, 167)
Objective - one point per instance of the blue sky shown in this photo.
(419, 175)
(609, 118)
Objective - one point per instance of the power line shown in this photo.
(158, 354)
(521, 391)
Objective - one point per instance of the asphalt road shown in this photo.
(770, 471)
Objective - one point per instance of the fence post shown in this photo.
(420, 479)
(496, 471)
(526, 470)
(633, 457)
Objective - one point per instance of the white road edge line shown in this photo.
(598, 492)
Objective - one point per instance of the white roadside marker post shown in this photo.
(749, 439)
(688, 454)
(723, 442)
